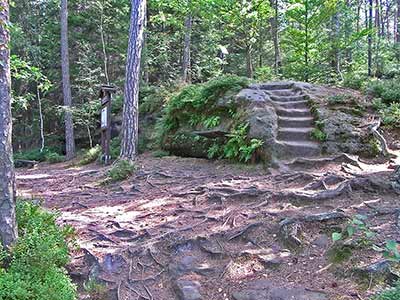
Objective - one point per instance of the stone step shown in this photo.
(295, 122)
(273, 86)
(282, 93)
(297, 148)
(292, 104)
(294, 134)
(293, 112)
(288, 98)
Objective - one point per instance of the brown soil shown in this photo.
(138, 236)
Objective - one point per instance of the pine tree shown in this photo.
(69, 126)
(8, 227)
(131, 92)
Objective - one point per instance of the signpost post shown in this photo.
(106, 92)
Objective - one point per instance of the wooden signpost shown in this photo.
(106, 92)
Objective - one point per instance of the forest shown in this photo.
(200, 149)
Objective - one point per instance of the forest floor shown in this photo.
(190, 229)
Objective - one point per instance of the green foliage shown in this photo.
(375, 146)
(54, 158)
(238, 145)
(354, 80)
(95, 290)
(120, 171)
(197, 103)
(387, 90)
(390, 114)
(341, 99)
(115, 147)
(212, 122)
(90, 156)
(160, 153)
(48, 154)
(36, 263)
(357, 229)
(390, 294)
(358, 233)
(319, 135)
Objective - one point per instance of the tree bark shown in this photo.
(398, 22)
(249, 62)
(186, 49)
(131, 93)
(370, 7)
(275, 37)
(41, 121)
(8, 226)
(69, 125)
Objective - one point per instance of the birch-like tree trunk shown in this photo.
(69, 125)
(8, 227)
(186, 49)
(131, 92)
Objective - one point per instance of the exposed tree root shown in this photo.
(320, 162)
(374, 129)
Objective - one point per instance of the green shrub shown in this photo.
(121, 170)
(341, 99)
(390, 294)
(387, 90)
(238, 146)
(319, 135)
(391, 115)
(354, 80)
(36, 263)
(90, 156)
(54, 158)
(160, 153)
(196, 106)
(115, 147)
(197, 103)
(37, 155)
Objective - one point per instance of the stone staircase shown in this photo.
(295, 121)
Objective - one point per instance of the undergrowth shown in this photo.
(47, 155)
(90, 155)
(120, 171)
(387, 90)
(390, 294)
(390, 113)
(199, 106)
(36, 264)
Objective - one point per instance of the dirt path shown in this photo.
(195, 229)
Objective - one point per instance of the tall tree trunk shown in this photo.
(41, 122)
(69, 125)
(306, 46)
(186, 49)
(131, 92)
(275, 37)
(249, 61)
(8, 227)
(103, 43)
(370, 4)
(398, 22)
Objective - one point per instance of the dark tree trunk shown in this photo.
(275, 37)
(398, 22)
(186, 50)
(131, 92)
(370, 8)
(8, 227)
(69, 125)
(306, 46)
